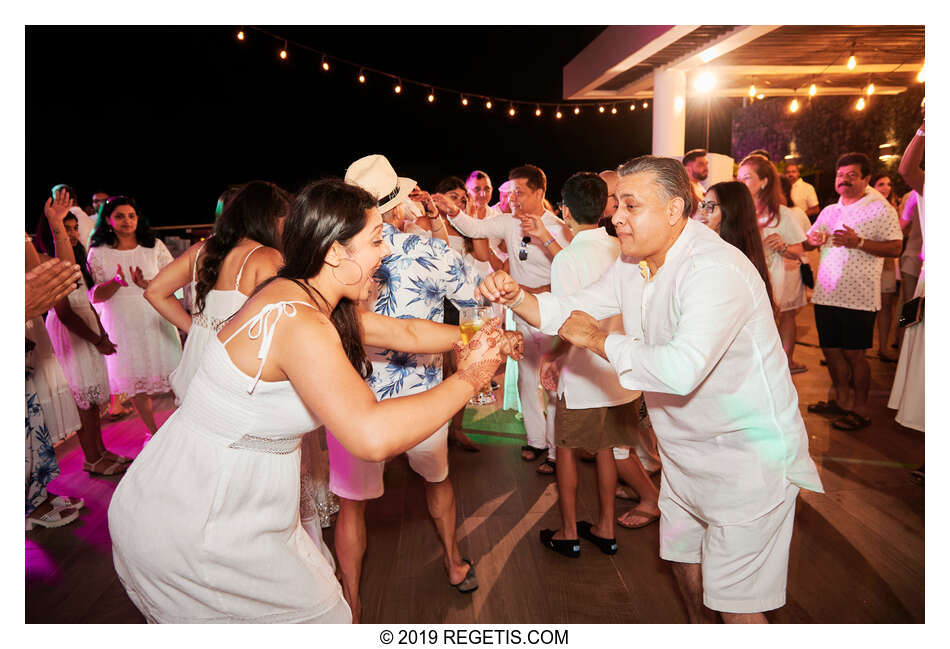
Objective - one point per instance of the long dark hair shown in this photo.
(740, 228)
(43, 241)
(323, 212)
(771, 196)
(252, 213)
(892, 199)
(103, 232)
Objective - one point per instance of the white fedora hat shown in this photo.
(374, 174)
(506, 187)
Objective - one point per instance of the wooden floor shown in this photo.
(857, 553)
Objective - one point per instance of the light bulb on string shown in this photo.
(240, 34)
(793, 107)
(600, 109)
(760, 96)
(283, 52)
(511, 110)
(398, 87)
(488, 104)
(646, 105)
(557, 114)
(577, 110)
(431, 97)
(465, 101)
(633, 106)
(870, 89)
(861, 104)
(920, 75)
(325, 65)
(537, 111)
(812, 90)
(362, 77)
(852, 62)
(613, 110)
(752, 90)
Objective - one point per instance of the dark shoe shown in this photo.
(607, 546)
(531, 453)
(547, 467)
(830, 408)
(470, 583)
(494, 386)
(569, 548)
(851, 421)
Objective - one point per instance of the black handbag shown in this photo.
(808, 277)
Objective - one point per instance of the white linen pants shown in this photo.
(538, 418)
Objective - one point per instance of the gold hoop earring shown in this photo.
(334, 270)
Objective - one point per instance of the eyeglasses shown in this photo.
(708, 206)
(523, 252)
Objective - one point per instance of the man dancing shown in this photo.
(716, 381)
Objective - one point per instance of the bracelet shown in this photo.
(548, 242)
(514, 304)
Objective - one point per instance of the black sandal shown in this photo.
(548, 467)
(569, 548)
(607, 546)
(533, 450)
(470, 582)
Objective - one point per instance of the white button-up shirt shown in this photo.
(587, 380)
(803, 195)
(849, 277)
(713, 373)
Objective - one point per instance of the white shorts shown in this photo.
(356, 479)
(745, 566)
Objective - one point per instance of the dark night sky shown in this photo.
(173, 115)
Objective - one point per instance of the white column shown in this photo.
(669, 112)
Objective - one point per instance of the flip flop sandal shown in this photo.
(651, 518)
(470, 583)
(827, 408)
(547, 467)
(851, 421)
(607, 546)
(533, 450)
(567, 547)
(111, 468)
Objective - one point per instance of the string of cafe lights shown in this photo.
(513, 107)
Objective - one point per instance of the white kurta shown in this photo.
(713, 373)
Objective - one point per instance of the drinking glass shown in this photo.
(471, 319)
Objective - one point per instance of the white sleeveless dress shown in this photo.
(205, 524)
(219, 306)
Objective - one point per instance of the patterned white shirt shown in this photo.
(849, 277)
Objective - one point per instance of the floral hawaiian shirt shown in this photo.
(412, 283)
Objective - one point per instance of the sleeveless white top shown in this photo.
(219, 306)
(205, 524)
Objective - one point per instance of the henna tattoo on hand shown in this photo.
(478, 375)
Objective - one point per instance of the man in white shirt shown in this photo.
(594, 412)
(854, 234)
(716, 380)
(803, 194)
(532, 236)
(504, 194)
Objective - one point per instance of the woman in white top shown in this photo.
(205, 525)
(124, 256)
(782, 238)
(240, 254)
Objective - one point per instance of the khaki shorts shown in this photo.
(356, 479)
(744, 566)
(596, 429)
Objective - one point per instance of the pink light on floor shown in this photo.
(39, 564)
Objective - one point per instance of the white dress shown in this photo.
(205, 524)
(219, 306)
(82, 364)
(52, 390)
(788, 291)
(147, 346)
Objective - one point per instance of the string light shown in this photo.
(362, 77)
(488, 104)
(812, 90)
(283, 52)
(398, 87)
(870, 89)
(600, 109)
(558, 113)
(577, 110)
(633, 106)
(752, 90)
(793, 107)
(852, 62)
(613, 111)
(646, 105)
(537, 111)
(511, 110)
(464, 101)
(325, 65)
(431, 97)
(920, 75)
(240, 34)
(760, 96)
(861, 104)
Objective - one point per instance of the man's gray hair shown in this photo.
(670, 175)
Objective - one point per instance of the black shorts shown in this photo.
(841, 328)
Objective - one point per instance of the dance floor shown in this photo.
(857, 553)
